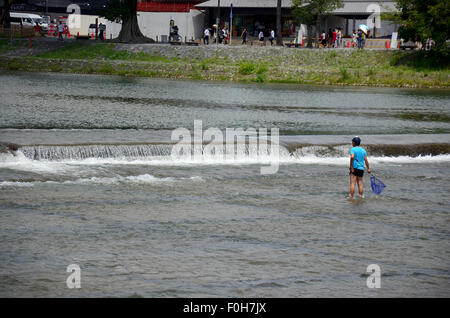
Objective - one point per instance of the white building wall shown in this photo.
(154, 24)
(79, 24)
(386, 27)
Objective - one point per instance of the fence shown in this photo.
(16, 31)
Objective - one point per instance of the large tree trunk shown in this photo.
(5, 19)
(310, 36)
(279, 36)
(318, 25)
(130, 32)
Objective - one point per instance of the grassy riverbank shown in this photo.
(237, 63)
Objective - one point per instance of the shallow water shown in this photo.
(93, 184)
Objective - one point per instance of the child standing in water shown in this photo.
(358, 156)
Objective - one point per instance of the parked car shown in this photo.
(91, 30)
(407, 45)
(28, 20)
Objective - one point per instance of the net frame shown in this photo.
(377, 185)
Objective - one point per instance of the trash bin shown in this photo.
(164, 38)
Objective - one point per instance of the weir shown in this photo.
(161, 150)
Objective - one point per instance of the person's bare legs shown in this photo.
(352, 185)
(360, 185)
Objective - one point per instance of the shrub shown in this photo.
(344, 74)
(247, 68)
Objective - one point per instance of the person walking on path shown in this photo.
(206, 35)
(60, 31)
(272, 37)
(358, 156)
(244, 36)
(261, 37)
(323, 38)
(333, 38)
(354, 39)
(339, 38)
(360, 39)
(330, 37)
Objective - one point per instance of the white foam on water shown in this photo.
(5, 184)
(139, 179)
(20, 162)
(408, 159)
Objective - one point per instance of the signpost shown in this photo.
(231, 22)
(394, 40)
(218, 22)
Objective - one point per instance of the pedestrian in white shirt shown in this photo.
(60, 31)
(272, 36)
(206, 35)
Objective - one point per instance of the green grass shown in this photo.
(102, 51)
(422, 60)
(246, 68)
(345, 76)
(322, 67)
(6, 45)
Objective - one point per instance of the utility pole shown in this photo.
(218, 21)
(279, 36)
(231, 22)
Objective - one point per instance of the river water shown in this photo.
(93, 183)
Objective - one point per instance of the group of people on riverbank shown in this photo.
(223, 36)
(333, 39)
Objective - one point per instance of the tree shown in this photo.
(311, 12)
(125, 12)
(5, 6)
(424, 19)
(279, 35)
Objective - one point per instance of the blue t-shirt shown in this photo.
(360, 154)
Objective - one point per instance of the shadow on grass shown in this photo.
(423, 60)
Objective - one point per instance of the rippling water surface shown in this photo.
(93, 183)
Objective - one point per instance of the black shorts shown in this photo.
(358, 172)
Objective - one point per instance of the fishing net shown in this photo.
(377, 185)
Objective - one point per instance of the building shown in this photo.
(256, 15)
(57, 7)
(191, 16)
(154, 18)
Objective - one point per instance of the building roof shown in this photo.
(244, 4)
(350, 6)
(365, 7)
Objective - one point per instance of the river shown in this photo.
(93, 183)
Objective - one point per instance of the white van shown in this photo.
(28, 20)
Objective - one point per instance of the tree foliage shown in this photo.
(311, 12)
(5, 6)
(125, 12)
(116, 11)
(424, 19)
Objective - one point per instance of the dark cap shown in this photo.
(356, 140)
